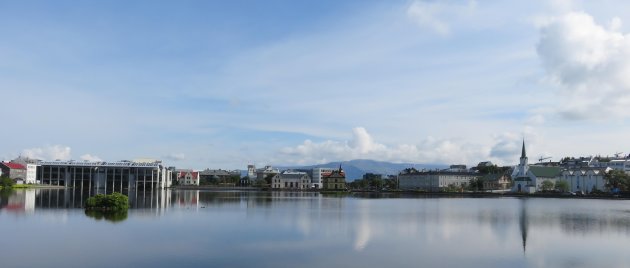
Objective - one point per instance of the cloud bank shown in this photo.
(590, 62)
(430, 150)
(54, 152)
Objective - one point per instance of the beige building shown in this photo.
(291, 180)
(336, 180)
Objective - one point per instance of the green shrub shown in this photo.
(6, 182)
(112, 202)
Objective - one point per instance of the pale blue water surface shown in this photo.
(190, 228)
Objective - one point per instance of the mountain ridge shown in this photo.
(355, 168)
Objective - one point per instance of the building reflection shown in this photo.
(18, 201)
(523, 223)
(312, 212)
(28, 200)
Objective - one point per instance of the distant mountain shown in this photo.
(356, 168)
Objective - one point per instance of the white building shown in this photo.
(318, 175)
(187, 177)
(251, 172)
(529, 179)
(105, 176)
(31, 174)
(617, 164)
(291, 180)
(585, 179)
(434, 180)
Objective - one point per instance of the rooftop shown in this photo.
(13, 165)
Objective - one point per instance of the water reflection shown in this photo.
(523, 223)
(277, 229)
(114, 217)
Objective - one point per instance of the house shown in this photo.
(31, 169)
(529, 179)
(336, 180)
(13, 170)
(498, 181)
(187, 177)
(585, 179)
(291, 180)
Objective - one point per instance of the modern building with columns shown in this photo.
(105, 176)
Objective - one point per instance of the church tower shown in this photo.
(523, 165)
(522, 181)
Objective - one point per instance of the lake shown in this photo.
(192, 228)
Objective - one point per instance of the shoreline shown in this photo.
(409, 193)
(34, 186)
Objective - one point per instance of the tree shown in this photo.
(391, 183)
(562, 186)
(111, 202)
(618, 179)
(6, 182)
(476, 184)
(547, 185)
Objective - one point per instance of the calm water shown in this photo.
(41, 228)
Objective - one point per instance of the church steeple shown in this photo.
(523, 165)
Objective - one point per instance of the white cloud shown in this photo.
(54, 152)
(507, 146)
(91, 158)
(363, 146)
(590, 63)
(175, 157)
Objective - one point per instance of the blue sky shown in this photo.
(221, 84)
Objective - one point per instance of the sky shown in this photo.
(223, 84)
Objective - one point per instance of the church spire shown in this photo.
(523, 155)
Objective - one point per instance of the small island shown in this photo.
(115, 202)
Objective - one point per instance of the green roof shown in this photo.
(545, 172)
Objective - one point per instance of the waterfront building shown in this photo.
(317, 176)
(585, 179)
(336, 180)
(15, 171)
(31, 168)
(529, 179)
(434, 180)
(266, 172)
(187, 177)
(251, 172)
(291, 180)
(498, 181)
(105, 176)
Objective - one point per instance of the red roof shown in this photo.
(193, 174)
(13, 165)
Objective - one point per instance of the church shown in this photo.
(529, 179)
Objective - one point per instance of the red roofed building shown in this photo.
(187, 177)
(14, 171)
(336, 180)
